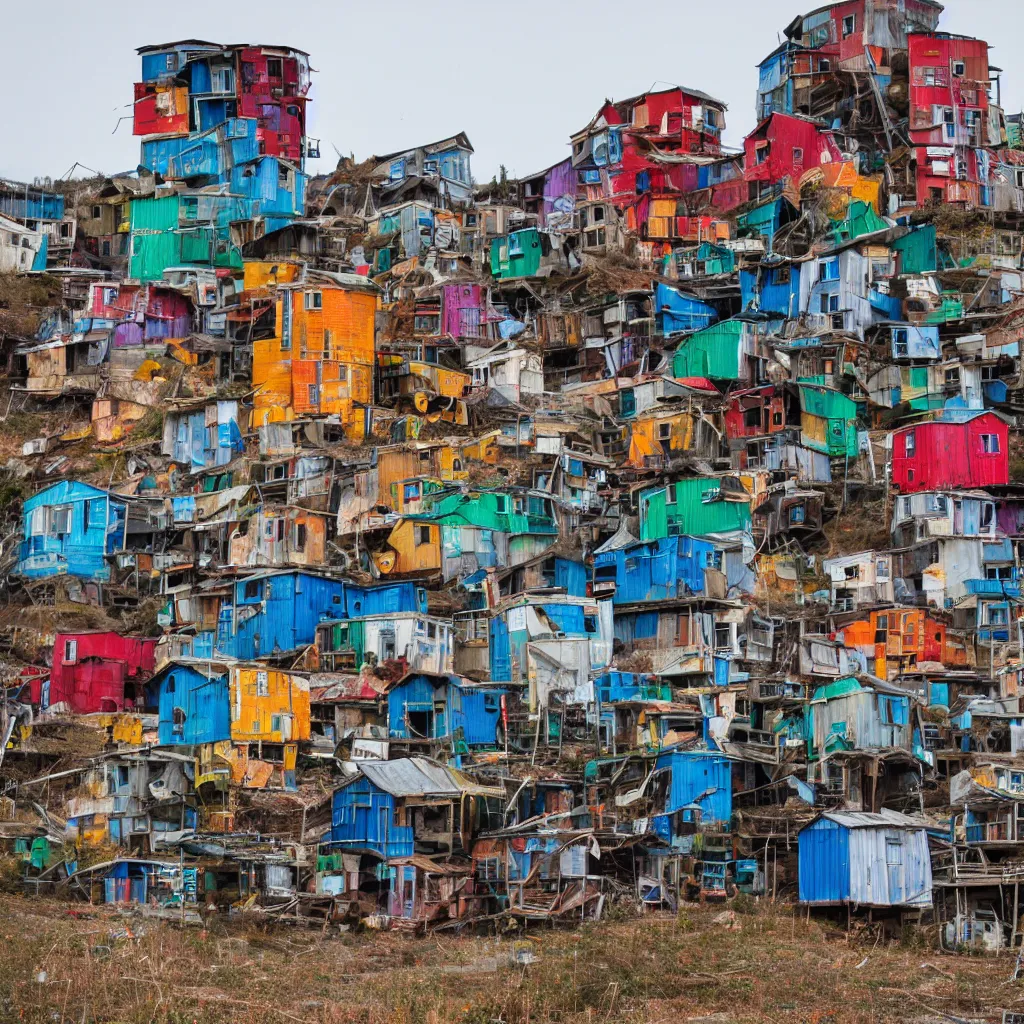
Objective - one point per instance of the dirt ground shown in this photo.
(73, 963)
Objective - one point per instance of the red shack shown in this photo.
(96, 671)
(787, 145)
(957, 454)
(756, 412)
(949, 81)
(274, 87)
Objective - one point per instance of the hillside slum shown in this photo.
(389, 547)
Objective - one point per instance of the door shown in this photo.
(894, 869)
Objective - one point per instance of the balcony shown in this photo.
(988, 832)
(993, 588)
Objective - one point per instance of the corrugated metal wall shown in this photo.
(702, 779)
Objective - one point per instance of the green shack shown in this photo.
(828, 421)
(917, 252)
(692, 508)
(713, 352)
(860, 220)
(491, 528)
(174, 231)
(517, 254)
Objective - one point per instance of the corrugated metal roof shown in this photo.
(868, 819)
(411, 776)
(418, 776)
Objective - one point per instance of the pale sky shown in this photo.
(518, 78)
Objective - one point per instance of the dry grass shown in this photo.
(772, 967)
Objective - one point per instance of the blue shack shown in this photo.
(522, 626)
(615, 687)
(771, 290)
(391, 808)
(700, 779)
(278, 612)
(193, 702)
(71, 528)
(656, 570)
(450, 708)
(872, 860)
(677, 311)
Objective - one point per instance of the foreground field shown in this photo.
(76, 964)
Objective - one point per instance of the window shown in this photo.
(97, 211)
(830, 303)
(178, 721)
(938, 503)
(223, 80)
(909, 443)
(828, 270)
(275, 67)
(824, 64)
(776, 419)
(105, 248)
(881, 629)
(798, 155)
(262, 684)
(849, 25)
(431, 630)
(664, 431)
(300, 536)
(995, 615)
(893, 710)
(797, 514)
(422, 535)
(999, 572)
(252, 590)
(990, 444)
(598, 213)
(314, 394)
(900, 341)
(170, 684)
(959, 68)
(60, 520)
(70, 652)
(988, 515)
(501, 504)
(906, 507)
(275, 723)
(314, 300)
